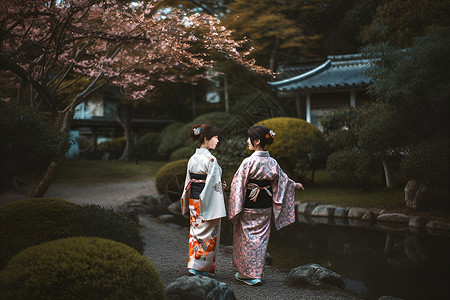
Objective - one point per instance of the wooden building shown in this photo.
(340, 80)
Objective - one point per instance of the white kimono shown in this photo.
(205, 212)
(211, 198)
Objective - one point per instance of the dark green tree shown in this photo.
(398, 22)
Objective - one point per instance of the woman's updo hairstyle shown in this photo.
(262, 133)
(200, 132)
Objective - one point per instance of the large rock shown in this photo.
(340, 212)
(393, 218)
(438, 225)
(314, 274)
(175, 209)
(306, 207)
(323, 211)
(356, 212)
(198, 287)
(416, 195)
(129, 213)
(417, 222)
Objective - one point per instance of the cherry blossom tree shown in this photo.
(48, 46)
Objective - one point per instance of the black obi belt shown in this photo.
(264, 199)
(197, 187)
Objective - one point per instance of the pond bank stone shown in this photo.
(418, 222)
(438, 225)
(393, 218)
(356, 212)
(198, 287)
(314, 274)
(340, 212)
(323, 211)
(306, 207)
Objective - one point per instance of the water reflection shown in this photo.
(374, 261)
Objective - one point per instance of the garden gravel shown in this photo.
(167, 244)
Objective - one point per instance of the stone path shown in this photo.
(167, 244)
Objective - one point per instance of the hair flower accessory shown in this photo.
(196, 130)
(272, 134)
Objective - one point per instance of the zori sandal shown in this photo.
(197, 273)
(254, 281)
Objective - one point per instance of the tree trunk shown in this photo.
(50, 174)
(388, 173)
(126, 125)
(65, 120)
(225, 90)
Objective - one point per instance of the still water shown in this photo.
(373, 261)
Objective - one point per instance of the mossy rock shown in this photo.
(32, 221)
(294, 140)
(171, 176)
(80, 268)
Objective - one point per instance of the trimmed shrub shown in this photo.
(84, 144)
(352, 165)
(173, 173)
(147, 146)
(29, 222)
(429, 162)
(294, 142)
(28, 141)
(173, 137)
(182, 153)
(232, 151)
(80, 268)
(218, 119)
(114, 147)
(107, 223)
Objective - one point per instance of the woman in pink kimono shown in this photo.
(259, 188)
(203, 198)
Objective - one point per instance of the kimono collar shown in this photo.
(261, 153)
(202, 151)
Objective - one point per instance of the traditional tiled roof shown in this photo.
(338, 71)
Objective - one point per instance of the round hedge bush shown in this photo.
(218, 119)
(147, 146)
(352, 166)
(182, 153)
(80, 268)
(176, 168)
(114, 147)
(31, 221)
(295, 139)
(173, 137)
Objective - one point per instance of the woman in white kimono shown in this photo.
(203, 198)
(259, 188)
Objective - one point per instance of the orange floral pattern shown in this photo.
(203, 239)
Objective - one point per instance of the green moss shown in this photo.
(80, 268)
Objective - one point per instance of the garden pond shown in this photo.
(373, 260)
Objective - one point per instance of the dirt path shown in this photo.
(167, 245)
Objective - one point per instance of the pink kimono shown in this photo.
(251, 226)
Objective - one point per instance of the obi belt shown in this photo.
(259, 194)
(196, 185)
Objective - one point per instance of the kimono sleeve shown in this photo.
(283, 200)
(212, 201)
(184, 201)
(238, 190)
